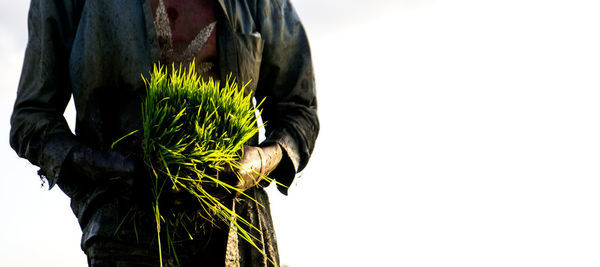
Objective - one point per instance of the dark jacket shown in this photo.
(96, 51)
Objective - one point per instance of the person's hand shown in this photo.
(256, 162)
(251, 168)
(101, 167)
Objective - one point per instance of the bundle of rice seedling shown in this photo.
(193, 131)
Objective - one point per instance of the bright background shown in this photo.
(454, 133)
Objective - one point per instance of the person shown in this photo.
(96, 52)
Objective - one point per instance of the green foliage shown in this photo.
(193, 130)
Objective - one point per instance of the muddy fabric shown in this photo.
(113, 253)
(96, 51)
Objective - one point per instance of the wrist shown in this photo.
(263, 162)
(272, 155)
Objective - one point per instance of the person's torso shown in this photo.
(116, 42)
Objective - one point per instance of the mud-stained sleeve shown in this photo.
(39, 131)
(287, 84)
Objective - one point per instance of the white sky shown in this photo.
(454, 133)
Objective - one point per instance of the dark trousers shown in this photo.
(114, 253)
(107, 247)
